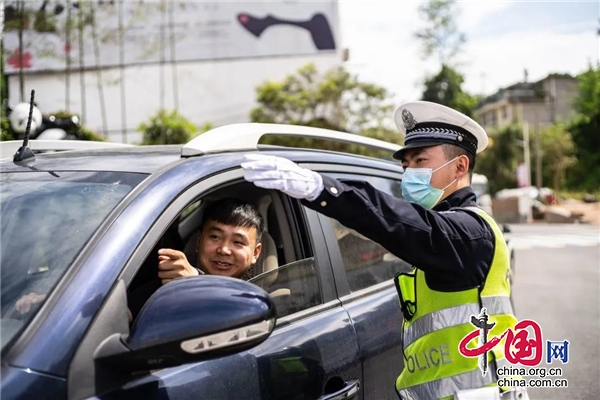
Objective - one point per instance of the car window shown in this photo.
(189, 210)
(46, 219)
(293, 287)
(286, 268)
(366, 262)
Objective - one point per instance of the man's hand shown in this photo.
(278, 173)
(24, 304)
(173, 264)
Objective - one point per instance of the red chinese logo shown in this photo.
(16, 61)
(518, 347)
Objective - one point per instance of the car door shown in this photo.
(364, 273)
(313, 352)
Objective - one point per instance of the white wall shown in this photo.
(220, 92)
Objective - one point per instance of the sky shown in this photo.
(503, 39)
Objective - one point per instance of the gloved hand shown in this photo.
(279, 173)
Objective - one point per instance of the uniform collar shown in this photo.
(461, 198)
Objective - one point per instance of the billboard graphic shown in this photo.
(318, 26)
(61, 34)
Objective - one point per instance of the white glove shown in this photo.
(279, 173)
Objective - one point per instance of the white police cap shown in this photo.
(423, 123)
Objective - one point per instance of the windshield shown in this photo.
(45, 220)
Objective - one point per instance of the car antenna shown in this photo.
(24, 152)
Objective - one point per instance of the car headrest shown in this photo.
(267, 262)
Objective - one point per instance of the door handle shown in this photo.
(349, 390)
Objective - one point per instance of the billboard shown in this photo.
(60, 34)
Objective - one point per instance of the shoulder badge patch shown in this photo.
(407, 118)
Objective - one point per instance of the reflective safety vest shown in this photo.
(435, 323)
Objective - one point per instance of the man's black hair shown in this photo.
(235, 212)
(451, 152)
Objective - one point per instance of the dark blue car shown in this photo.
(79, 234)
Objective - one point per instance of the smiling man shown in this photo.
(228, 243)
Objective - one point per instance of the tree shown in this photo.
(588, 101)
(500, 159)
(585, 130)
(167, 128)
(441, 35)
(445, 88)
(335, 100)
(558, 150)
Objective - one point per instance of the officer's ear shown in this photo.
(462, 166)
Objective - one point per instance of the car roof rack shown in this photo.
(245, 136)
(9, 147)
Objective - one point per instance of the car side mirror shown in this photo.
(506, 229)
(192, 320)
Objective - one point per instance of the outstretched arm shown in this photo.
(447, 242)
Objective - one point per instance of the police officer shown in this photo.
(460, 257)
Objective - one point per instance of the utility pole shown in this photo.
(21, 8)
(173, 58)
(527, 157)
(538, 153)
(80, 28)
(99, 80)
(122, 73)
(68, 58)
(161, 78)
(526, 153)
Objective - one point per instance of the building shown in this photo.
(539, 103)
(131, 59)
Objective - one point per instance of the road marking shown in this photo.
(560, 240)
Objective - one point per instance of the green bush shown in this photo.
(167, 128)
(86, 133)
(5, 131)
(83, 133)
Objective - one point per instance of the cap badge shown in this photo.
(407, 118)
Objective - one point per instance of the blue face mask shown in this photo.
(416, 186)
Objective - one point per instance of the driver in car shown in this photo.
(228, 244)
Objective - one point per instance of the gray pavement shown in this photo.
(554, 235)
(558, 285)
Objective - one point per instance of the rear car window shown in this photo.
(367, 263)
(46, 218)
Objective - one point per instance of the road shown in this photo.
(558, 286)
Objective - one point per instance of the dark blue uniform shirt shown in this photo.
(453, 246)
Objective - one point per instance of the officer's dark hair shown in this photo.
(235, 212)
(451, 152)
